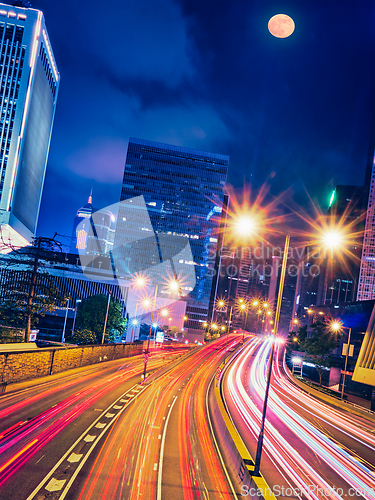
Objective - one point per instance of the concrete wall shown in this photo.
(20, 366)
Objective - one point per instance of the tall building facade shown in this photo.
(93, 231)
(169, 219)
(366, 283)
(29, 82)
(340, 281)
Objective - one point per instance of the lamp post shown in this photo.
(106, 316)
(295, 324)
(135, 321)
(66, 317)
(270, 362)
(75, 314)
(147, 351)
(336, 326)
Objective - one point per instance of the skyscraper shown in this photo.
(93, 231)
(339, 281)
(29, 82)
(366, 283)
(179, 214)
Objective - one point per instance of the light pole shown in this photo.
(295, 324)
(66, 317)
(226, 347)
(106, 316)
(270, 362)
(336, 326)
(135, 321)
(147, 351)
(75, 314)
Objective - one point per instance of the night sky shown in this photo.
(208, 75)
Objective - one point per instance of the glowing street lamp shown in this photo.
(270, 362)
(295, 324)
(337, 326)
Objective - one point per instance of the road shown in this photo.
(311, 450)
(98, 433)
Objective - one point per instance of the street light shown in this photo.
(106, 316)
(75, 314)
(295, 324)
(277, 317)
(174, 286)
(221, 304)
(139, 281)
(66, 317)
(336, 326)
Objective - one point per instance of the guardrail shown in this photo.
(326, 398)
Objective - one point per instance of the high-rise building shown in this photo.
(171, 204)
(81, 227)
(93, 231)
(29, 82)
(339, 280)
(366, 283)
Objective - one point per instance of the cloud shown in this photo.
(102, 160)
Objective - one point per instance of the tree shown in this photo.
(319, 347)
(31, 291)
(84, 336)
(91, 315)
(296, 339)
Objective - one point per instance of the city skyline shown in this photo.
(295, 111)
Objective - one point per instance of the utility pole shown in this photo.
(106, 316)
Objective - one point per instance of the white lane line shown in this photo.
(156, 466)
(160, 472)
(84, 459)
(39, 459)
(117, 407)
(109, 415)
(94, 424)
(216, 443)
(99, 425)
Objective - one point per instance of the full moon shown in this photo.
(281, 26)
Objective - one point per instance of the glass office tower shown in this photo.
(29, 83)
(169, 216)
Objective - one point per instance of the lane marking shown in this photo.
(55, 484)
(39, 459)
(160, 472)
(89, 438)
(155, 466)
(99, 425)
(109, 415)
(117, 407)
(75, 457)
(216, 443)
(70, 450)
